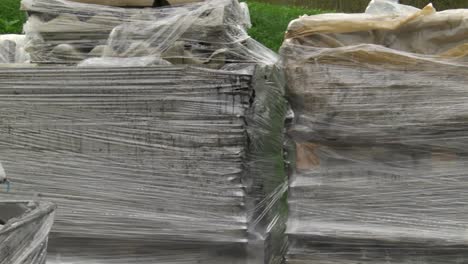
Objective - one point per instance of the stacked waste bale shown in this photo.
(148, 164)
(379, 132)
(155, 162)
(24, 230)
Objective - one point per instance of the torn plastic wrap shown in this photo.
(212, 32)
(24, 230)
(165, 164)
(12, 49)
(380, 160)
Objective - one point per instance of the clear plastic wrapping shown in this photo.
(211, 32)
(12, 49)
(24, 230)
(167, 164)
(379, 134)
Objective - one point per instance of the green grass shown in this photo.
(269, 21)
(11, 18)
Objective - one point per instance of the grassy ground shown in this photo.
(11, 18)
(270, 21)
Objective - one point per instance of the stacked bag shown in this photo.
(156, 131)
(379, 133)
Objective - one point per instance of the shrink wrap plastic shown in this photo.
(164, 145)
(379, 136)
(24, 230)
(207, 33)
(163, 164)
(12, 49)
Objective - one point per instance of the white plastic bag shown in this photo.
(389, 7)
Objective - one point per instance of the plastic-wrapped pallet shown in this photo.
(12, 49)
(187, 161)
(24, 230)
(164, 164)
(211, 32)
(380, 160)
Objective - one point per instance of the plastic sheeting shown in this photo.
(12, 49)
(165, 164)
(208, 33)
(24, 230)
(150, 160)
(137, 3)
(379, 136)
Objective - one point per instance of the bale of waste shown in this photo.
(149, 164)
(378, 136)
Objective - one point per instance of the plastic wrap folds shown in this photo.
(164, 145)
(24, 230)
(207, 33)
(379, 132)
(163, 164)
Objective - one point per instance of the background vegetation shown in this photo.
(269, 22)
(11, 18)
(360, 5)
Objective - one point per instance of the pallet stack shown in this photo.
(381, 108)
(149, 164)
(149, 158)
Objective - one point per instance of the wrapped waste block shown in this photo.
(379, 136)
(24, 230)
(210, 32)
(137, 3)
(12, 49)
(155, 164)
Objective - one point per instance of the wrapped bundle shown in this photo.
(137, 3)
(211, 32)
(156, 164)
(379, 136)
(24, 230)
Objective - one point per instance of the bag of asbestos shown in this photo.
(379, 135)
(24, 230)
(207, 33)
(137, 3)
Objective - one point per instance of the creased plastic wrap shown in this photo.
(207, 33)
(164, 164)
(379, 136)
(12, 49)
(24, 230)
